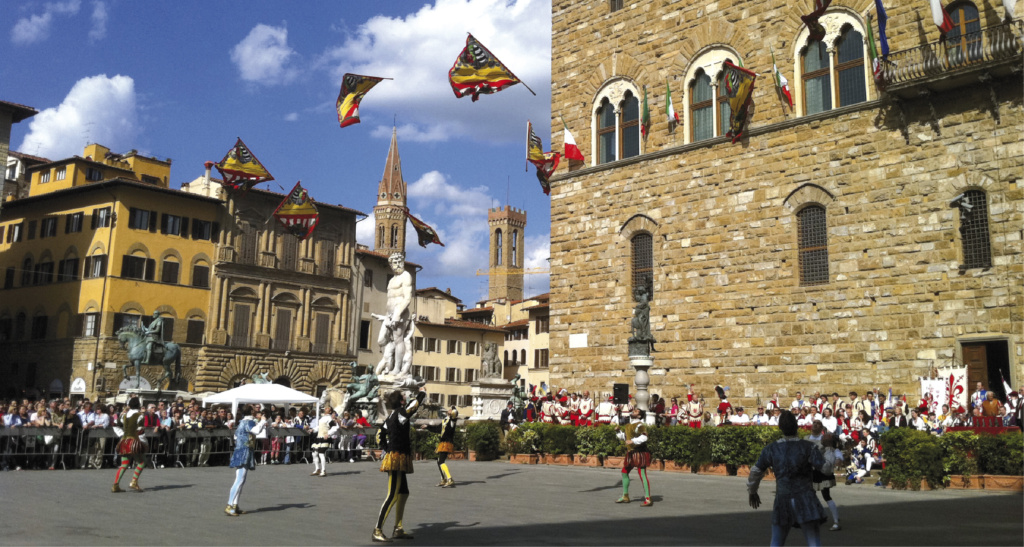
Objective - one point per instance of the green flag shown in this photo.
(645, 117)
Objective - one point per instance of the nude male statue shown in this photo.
(396, 330)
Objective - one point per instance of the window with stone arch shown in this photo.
(832, 71)
(963, 42)
(616, 122)
(707, 113)
(515, 248)
(498, 247)
(812, 241)
(642, 262)
(974, 234)
(394, 237)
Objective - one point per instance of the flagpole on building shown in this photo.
(504, 65)
(526, 166)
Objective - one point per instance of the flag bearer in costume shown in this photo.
(132, 448)
(397, 463)
(322, 442)
(634, 434)
(446, 446)
(243, 459)
(694, 409)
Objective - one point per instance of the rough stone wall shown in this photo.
(728, 307)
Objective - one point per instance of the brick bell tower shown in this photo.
(389, 213)
(507, 229)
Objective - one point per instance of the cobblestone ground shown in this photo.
(495, 503)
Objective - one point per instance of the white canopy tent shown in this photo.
(259, 393)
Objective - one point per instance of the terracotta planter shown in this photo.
(1004, 483)
(583, 460)
(457, 456)
(657, 465)
(471, 455)
(742, 470)
(377, 454)
(713, 469)
(959, 482)
(531, 459)
(676, 467)
(614, 462)
(558, 459)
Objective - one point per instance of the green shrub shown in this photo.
(958, 453)
(598, 441)
(425, 443)
(911, 456)
(697, 452)
(483, 437)
(558, 439)
(460, 439)
(1001, 454)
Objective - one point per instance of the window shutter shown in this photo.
(184, 227)
(93, 221)
(215, 232)
(88, 267)
(125, 265)
(163, 223)
(150, 268)
(103, 265)
(118, 322)
(79, 325)
(168, 330)
(133, 215)
(67, 224)
(152, 221)
(195, 227)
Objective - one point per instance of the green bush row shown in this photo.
(913, 456)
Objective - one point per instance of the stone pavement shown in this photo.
(495, 503)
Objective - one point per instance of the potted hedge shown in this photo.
(558, 443)
(590, 446)
(483, 439)
(912, 459)
(522, 445)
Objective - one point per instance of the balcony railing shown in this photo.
(989, 46)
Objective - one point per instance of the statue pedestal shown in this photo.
(641, 363)
(490, 396)
(387, 383)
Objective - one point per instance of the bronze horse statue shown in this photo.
(133, 340)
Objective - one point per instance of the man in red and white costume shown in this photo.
(548, 410)
(574, 409)
(605, 411)
(694, 409)
(586, 410)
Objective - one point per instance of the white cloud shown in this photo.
(36, 28)
(419, 49)
(99, 22)
(413, 133)
(264, 56)
(97, 109)
(291, 117)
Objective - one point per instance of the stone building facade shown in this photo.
(859, 239)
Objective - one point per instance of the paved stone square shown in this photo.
(495, 503)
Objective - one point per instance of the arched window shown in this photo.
(642, 262)
(26, 272)
(515, 358)
(20, 324)
(605, 132)
(522, 356)
(813, 245)
(724, 110)
(630, 127)
(974, 230)
(380, 236)
(506, 358)
(498, 247)
(816, 78)
(850, 68)
(394, 237)
(963, 43)
(515, 248)
(701, 108)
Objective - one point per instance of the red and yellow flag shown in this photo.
(297, 213)
(739, 87)
(425, 235)
(545, 162)
(477, 71)
(240, 169)
(353, 87)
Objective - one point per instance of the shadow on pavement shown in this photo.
(167, 487)
(281, 507)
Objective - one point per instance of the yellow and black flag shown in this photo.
(477, 71)
(425, 235)
(240, 169)
(545, 162)
(739, 87)
(353, 87)
(297, 213)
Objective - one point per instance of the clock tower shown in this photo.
(389, 213)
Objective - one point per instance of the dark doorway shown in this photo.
(284, 381)
(988, 363)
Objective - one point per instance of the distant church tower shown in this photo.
(507, 226)
(391, 204)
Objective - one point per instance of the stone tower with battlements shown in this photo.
(507, 226)
(389, 213)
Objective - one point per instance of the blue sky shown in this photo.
(183, 79)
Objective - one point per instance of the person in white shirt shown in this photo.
(774, 418)
(828, 421)
(799, 402)
(605, 411)
(761, 418)
(741, 418)
(917, 422)
(101, 420)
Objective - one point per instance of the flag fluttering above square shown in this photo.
(353, 87)
(425, 235)
(297, 213)
(739, 87)
(545, 162)
(817, 31)
(240, 169)
(572, 152)
(477, 71)
(781, 83)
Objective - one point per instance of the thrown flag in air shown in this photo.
(670, 110)
(353, 87)
(572, 152)
(424, 233)
(477, 70)
(781, 83)
(739, 87)
(940, 17)
(240, 169)
(817, 31)
(297, 213)
(545, 162)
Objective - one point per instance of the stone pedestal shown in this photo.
(387, 383)
(490, 396)
(641, 363)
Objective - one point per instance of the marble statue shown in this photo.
(642, 341)
(490, 364)
(396, 331)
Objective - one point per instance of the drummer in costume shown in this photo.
(322, 442)
(822, 482)
(132, 448)
(446, 446)
(397, 462)
(634, 434)
(243, 459)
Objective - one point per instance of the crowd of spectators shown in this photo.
(65, 434)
